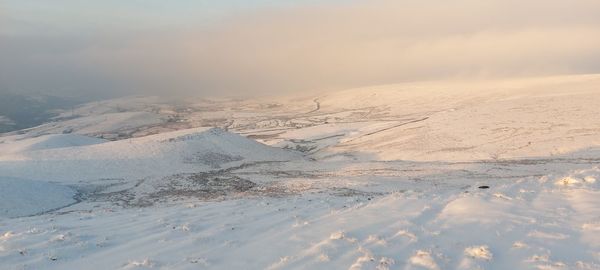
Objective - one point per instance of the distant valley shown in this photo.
(20, 111)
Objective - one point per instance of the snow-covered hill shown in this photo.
(51, 141)
(441, 175)
(184, 151)
(459, 121)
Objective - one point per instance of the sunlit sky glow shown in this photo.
(265, 47)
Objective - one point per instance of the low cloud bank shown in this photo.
(316, 46)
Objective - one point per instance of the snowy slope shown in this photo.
(47, 142)
(107, 124)
(164, 154)
(441, 175)
(533, 223)
(471, 120)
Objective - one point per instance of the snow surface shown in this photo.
(152, 156)
(21, 197)
(51, 141)
(441, 175)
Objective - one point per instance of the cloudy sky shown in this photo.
(255, 47)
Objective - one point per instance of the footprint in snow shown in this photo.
(479, 252)
(423, 259)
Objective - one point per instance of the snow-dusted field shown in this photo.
(452, 175)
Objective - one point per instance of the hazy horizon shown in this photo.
(114, 48)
